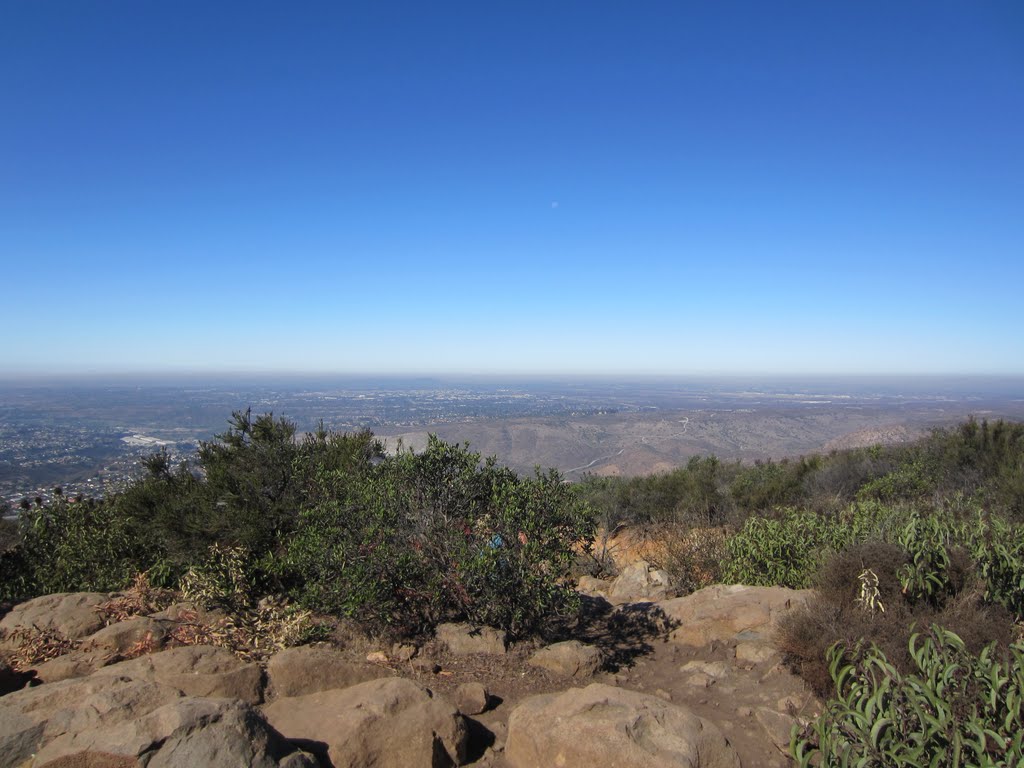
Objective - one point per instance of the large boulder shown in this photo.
(386, 723)
(570, 658)
(639, 581)
(79, 663)
(464, 639)
(139, 634)
(32, 718)
(725, 612)
(189, 731)
(72, 614)
(311, 668)
(197, 670)
(584, 727)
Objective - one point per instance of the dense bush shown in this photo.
(83, 545)
(399, 542)
(788, 549)
(437, 535)
(860, 595)
(980, 461)
(954, 709)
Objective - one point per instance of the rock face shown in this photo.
(74, 614)
(70, 665)
(198, 670)
(568, 659)
(32, 719)
(387, 723)
(309, 669)
(471, 698)
(585, 727)
(464, 639)
(639, 581)
(138, 632)
(116, 721)
(723, 612)
(593, 586)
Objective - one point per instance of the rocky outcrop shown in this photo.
(464, 639)
(74, 614)
(570, 658)
(639, 581)
(140, 633)
(75, 664)
(472, 698)
(199, 670)
(33, 718)
(117, 721)
(726, 612)
(309, 669)
(581, 728)
(387, 723)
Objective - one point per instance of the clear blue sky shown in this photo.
(642, 187)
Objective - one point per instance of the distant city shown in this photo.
(89, 437)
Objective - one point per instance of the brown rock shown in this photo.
(463, 639)
(590, 585)
(94, 760)
(778, 727)
(73, 614)
(757, 652)
(312, 668)
(721, 612)
(32, 718)
(639, 581)
(471, 698)
(199, 670)
(569, 659)
(140, 632)
(70, 665)
(581, 728)
(186, 732)
(388, 723)
(704, 674)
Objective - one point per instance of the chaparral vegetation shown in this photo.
(915, 551)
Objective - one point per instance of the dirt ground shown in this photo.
(640, 658)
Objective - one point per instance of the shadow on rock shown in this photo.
(479, 741)
(623, 633)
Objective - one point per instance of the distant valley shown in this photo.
(89, 436)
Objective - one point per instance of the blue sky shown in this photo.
(611, 187)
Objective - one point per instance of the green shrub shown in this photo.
(788, 549)
(436, 536)
(998, 550)
(954, 709)
(85, 545)
(837, 612)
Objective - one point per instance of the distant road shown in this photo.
(596, 461)
(643, 439)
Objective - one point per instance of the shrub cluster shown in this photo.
(788, 548)
(979, 461)
(954, 708)
(398, 542)
(433, 536)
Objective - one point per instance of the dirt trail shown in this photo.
(744, 698)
